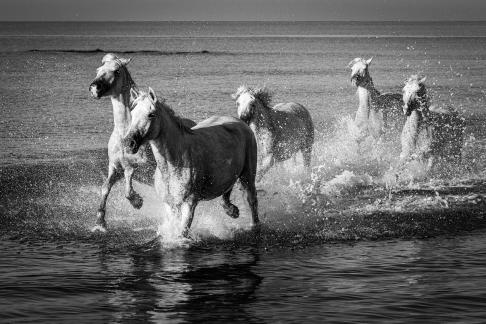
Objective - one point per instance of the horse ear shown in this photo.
(368, 62)
(126, 61)
(423, 79)
(133, 93)
(152, 94)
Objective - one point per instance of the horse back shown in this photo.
(448, 132)
(220, 149)
(292, 119)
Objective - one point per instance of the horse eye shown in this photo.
(151, 115)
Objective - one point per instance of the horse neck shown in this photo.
(367, 94)
(370, 87)
(364, 97)
(414, 123)
(171, 140)
(121, 105)
(262, 117)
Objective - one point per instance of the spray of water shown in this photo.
(345, 163)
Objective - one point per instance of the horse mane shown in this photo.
(123, 66)
(263, 94)
(162, 106)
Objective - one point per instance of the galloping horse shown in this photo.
(113, 80)
(281, 131)
(194, 164)
(429, 132)
(377, 113)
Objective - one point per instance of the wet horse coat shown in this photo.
(195, 164)
(113, 80)
(378, 113)
(430, 132)
(281, 131)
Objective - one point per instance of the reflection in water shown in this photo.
(182, 284)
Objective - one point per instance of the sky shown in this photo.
(240, 10)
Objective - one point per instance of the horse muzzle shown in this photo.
(95, 92)
(406, 110)
(356, 80)
(98, 88)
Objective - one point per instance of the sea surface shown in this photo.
(339, 244)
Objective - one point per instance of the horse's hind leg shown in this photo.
(230, 209)
(248, 183)
(307, 155)
(113, 176)
(266, 164)
(134, 198)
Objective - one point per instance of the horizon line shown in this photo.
(246, 21)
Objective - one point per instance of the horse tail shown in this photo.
(251, 154)
(306, 118)
(248, 173)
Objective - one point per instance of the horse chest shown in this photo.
(117, 154)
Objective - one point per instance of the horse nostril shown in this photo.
(132, 144)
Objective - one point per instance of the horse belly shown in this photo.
(287, 145)
(221, 178)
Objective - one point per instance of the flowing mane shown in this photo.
(121, 64)
(262, 94)
(130, 83)
(161, 106)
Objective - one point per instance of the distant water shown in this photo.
(335, 246)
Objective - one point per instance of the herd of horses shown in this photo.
(202, 161)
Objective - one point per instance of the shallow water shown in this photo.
(335, 245)
(433, 280)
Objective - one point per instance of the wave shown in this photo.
(146, 52)
(321, 36)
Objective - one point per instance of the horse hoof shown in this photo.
(99, 228)
(232, 211)
(136, 200)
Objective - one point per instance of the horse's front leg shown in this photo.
(133, 197)
(187, 214)
(113, 176)
(265, 165)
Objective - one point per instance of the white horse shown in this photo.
(114, 81)
(194, 164)
(429, 132)
(281, 131)
(377, 113)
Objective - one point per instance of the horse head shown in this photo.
(249, 100)
(414, 94)
(245, 103)
(111, 76)
(359, 71)
(145, 123)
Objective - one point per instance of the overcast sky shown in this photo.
(242, 10)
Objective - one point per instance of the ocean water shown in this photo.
(336, 245)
